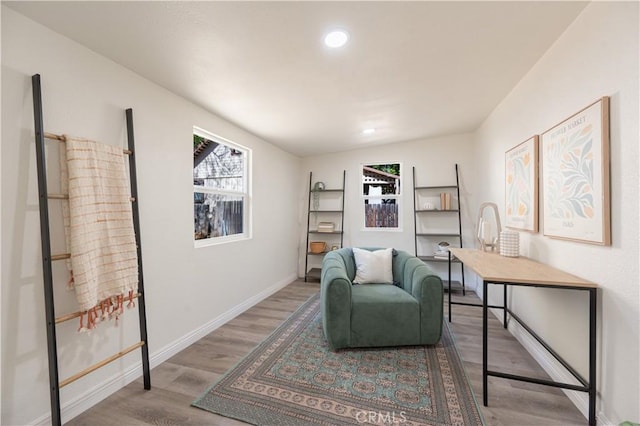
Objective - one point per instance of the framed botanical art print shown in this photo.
(521, 186)
(575, 177)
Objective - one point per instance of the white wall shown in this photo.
(597, 56)
(85, 94)
(189, 291)
(434, 160)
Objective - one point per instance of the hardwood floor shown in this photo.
(184, 377)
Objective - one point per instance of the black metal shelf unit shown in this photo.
(421, 214)
(47, 258)
(314, 273)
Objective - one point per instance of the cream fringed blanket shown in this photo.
(99, 228)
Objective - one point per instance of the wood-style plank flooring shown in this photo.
(184, 377)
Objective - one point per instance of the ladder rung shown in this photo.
(100, 364)
(62, 138)
(78, 313)
(63, 256)
(54, 136)
(66, 197)
(58, 196)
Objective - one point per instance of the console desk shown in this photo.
(521, 271)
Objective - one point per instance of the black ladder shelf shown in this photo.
(430, 236)
(47, 258)
(315, 272)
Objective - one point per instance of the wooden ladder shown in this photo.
(48, 258)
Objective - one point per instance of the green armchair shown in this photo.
(407, 312)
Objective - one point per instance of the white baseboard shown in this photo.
(552, 367)
(96, 394)
(172, 349)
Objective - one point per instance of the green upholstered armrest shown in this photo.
(335, 300)
(427, 288)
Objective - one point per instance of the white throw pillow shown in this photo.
(373, 266)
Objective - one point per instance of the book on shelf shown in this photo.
(445, 201)
(326, 227)
(441, 254)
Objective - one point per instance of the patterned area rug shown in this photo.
(292, 378)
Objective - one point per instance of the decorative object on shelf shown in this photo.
(575, 177)
(443, 246)
(317, 247)
(442, 250)
(488, 228)
(521, 190)
(509, 243)
(317, 187)
(326, 227)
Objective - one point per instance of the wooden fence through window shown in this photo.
(381, 215)
(227, 219)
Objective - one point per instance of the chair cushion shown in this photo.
(373, 266)
(383, 315)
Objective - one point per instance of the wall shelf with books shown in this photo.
(438, 223)
(325, 224)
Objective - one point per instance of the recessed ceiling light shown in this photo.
(369, 131)
(336, 38)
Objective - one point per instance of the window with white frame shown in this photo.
(221, 201)
(381, 195)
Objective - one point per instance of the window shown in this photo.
(220, 189)
(381, 195)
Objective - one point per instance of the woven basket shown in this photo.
(317, 246)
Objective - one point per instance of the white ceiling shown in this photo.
(411, 69)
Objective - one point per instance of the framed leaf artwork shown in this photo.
(521, 186)
(575, 177)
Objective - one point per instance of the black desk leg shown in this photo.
(593, 292)
(449, 286)
(485, 298)
(504, 304)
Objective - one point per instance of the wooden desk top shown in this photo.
(493, 267)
